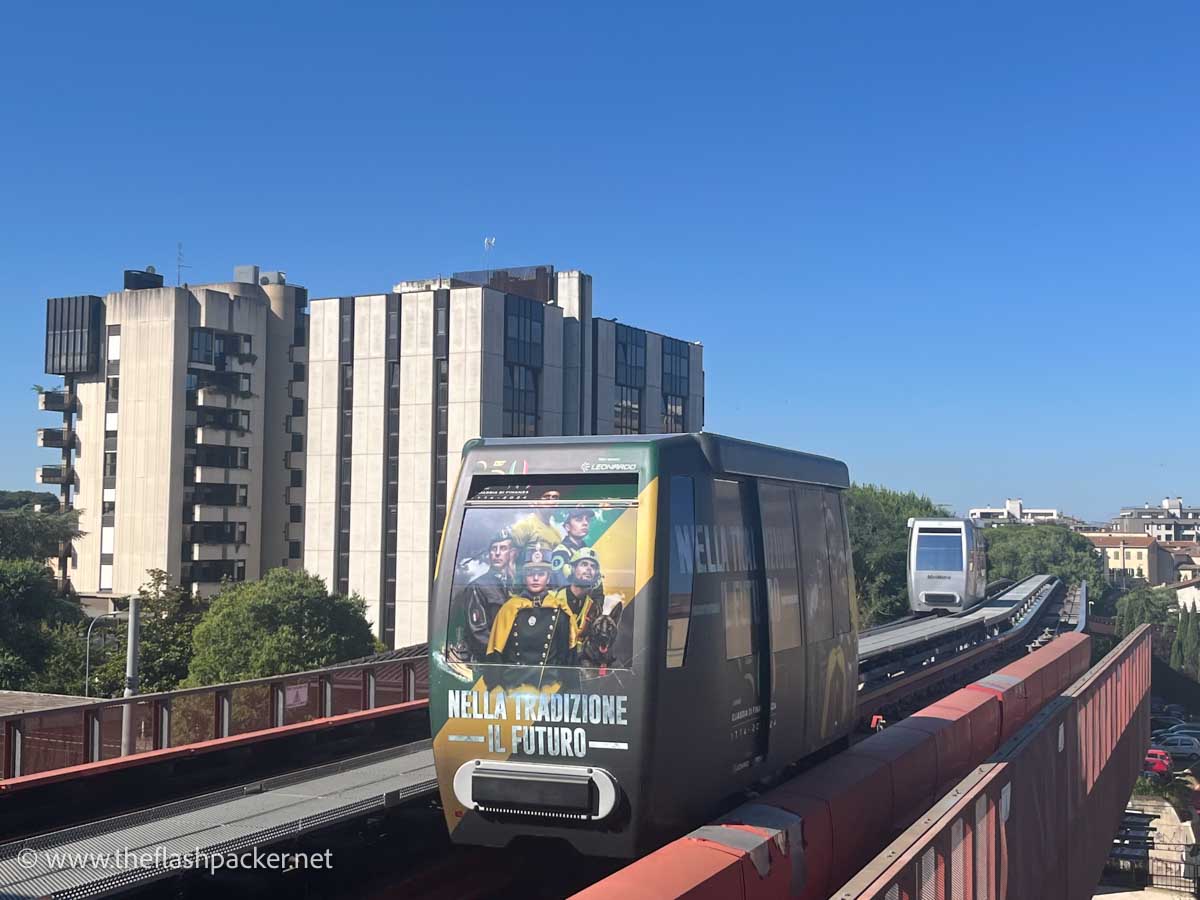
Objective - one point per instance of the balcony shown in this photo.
(202, 552)
(55, 401)
(52, 475)
(295, 531)
(298, 354)
(55, 437)
(216, 475)
(215, 512)
(294, 496)
(211, 434)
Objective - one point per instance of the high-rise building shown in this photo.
(399, 381)
(182, 435)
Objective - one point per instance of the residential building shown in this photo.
(399, 381)
(1169, 521)
(1014, 511)
(182, 435)
(1187, 593)
(1135, 557)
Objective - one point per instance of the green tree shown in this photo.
(1191, 642)
(287, 622)
(168, 617)
(1018, 551)
(22, 499)
(25, 534)
(1178, 641)
(878, 519)
(1145, 606)
(30, 610)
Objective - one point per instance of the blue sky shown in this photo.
(955, 246)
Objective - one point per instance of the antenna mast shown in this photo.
(180, 265)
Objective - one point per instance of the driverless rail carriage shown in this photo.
(947, 565)
(627, 632)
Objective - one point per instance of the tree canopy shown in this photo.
(25, 534)
(20, 499)
(287, 622)
(1147, 606)
(879, 540)
(1018, 551)
(31, 613)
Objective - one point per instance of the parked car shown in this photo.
(1175, 709)
(1184, 749)
(1162, 723)
(1192, 728)
(1156, 769)
(1162, 756)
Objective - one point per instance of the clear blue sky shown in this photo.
(955, 246)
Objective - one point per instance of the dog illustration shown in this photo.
(596, 649)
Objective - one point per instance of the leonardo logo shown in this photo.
(606, 466)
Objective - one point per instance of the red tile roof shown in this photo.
(1116, 540)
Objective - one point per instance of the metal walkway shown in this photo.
(227, 821)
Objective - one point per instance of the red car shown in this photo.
(1162, 755)
(1156, 765)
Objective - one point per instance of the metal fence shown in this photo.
(1038, 819)
(39, 741)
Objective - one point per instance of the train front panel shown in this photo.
(537, 631)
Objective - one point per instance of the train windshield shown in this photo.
(544, 572)
(939, 552)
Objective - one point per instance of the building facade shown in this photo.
(1169, 521)
(182, 433)
(1015, 512)
(400, 381)
(1130, 559)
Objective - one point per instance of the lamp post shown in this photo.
(87, 656)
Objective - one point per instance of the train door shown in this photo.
(735, 553)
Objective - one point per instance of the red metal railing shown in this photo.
(1037, 821)
(40, 741)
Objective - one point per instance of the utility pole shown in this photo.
(131, 677)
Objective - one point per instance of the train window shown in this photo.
(543, 573)
(683, 565)
(839, 565)
(731, 552)
(814, 565)
(779, 553)
(939, 550)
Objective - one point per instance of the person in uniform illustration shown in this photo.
(484, 596)
(535, 626)
(576, 525)
(584, 592)
(537, 525)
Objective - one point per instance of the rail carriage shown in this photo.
(628, 632)
(947, 565)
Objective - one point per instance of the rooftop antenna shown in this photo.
(488, 244)
(180, 265)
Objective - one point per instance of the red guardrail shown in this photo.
(44, 740)
(1037, 821)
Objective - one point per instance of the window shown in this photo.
(492, 534)
(239, 570)
(683, 564)
(106, 539)
(243, 495)
(112, 390)
(736, 551)
(779, 553)
(523, 324)
(247, 345)
(836, 540)
(297, 371)
(110, 464)
(627, 411)
(939, 550)
(297, 442)
(814, 564)
(674, 419)
(631, 356)
(244, 382)
(106, 577)
(676, 363)
(114, 344)
(202, 346)
(293, 549)
(295, 513)
(243, 457)
(297, 475)
(298, 403)
(520, 401)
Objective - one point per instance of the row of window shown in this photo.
(631, 357)
(805, 548)
(210, 347)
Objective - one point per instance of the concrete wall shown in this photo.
(368, 453)
(149, 485)
(605, 373)
(550, 400)
(320, 507)
(279, 458)
(652, 408)
(415, 484)
(695, 404)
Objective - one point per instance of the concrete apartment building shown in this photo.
(182, 433)
(1015, 512)
(1169, 521)
(399, 381)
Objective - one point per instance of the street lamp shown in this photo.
(87, 657)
